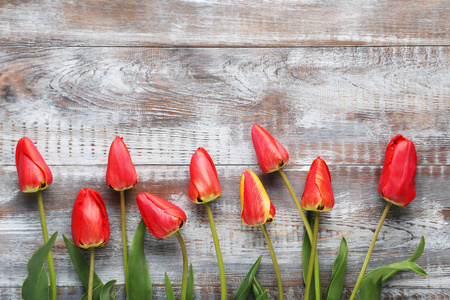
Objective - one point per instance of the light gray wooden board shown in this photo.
(341, 103)
(225, 23)
(344, 104)
(355, 215)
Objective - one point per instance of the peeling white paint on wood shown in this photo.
(225, 23)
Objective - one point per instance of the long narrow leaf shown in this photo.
(369, 283)
(106, 290)
(413, 258)
(371, 289)
(255, 290)
(139, 283)
(336, 286)
(169, 289)
(190, 285)
(398, 266)
(35, 285)
(96, 290)
(80, 263)
(246, 285)
(258, 286)
(263, 296)
(306, 253)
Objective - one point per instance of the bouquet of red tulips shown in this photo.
(91, 229)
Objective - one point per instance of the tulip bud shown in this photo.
(256, 207)
(318, 193)
(396, 183)
(120, 174)
(162, 217)
(90, 225)
(34, 174)
(271, 155)
(204, 185)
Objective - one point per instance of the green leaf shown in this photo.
(80, 263)
(263, 296)
(96, 290)
(190, 285)
(398, 266)
(256, 292)
(371, 289)
(336, 286)
(258, 287)
(413, 258)
(106, 290)
(306, 253)
(35, 285)
(383, 273)
(169, 289)
(139, 283)
(246, 285)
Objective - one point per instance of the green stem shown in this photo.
(297, 203)
(274, 261)
(313, 254)
(223, 283)
(124, 236)
(51, 266)
(369, 252)
(91, 274)
(317, 278)
(307, 227)
(185, 265)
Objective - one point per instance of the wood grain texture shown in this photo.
(225, 23)
(354, 216)
(342, 103)
(171, 76)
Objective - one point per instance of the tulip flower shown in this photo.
(90, 226)
(257, 209)
(204, 185)
(163, 219)
(121, 176)
(35, 176)
(396, 183)
(318, 194)
(271, 155)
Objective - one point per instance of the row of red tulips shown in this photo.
(90, 225)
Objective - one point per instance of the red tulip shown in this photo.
(271, 155)
(162, 217)
(396, 183)
(256, 207)
(120, 174)
(204, 185)
(90, 225)
(34, 174)
(318, 193)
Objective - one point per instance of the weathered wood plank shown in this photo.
(225, 23)
(342, 103)
(355, 216)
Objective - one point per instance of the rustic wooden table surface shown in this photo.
(337, 79)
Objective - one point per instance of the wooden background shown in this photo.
(337, 79)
